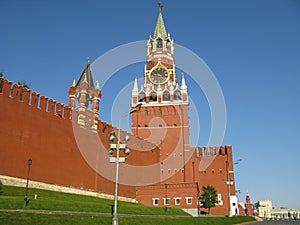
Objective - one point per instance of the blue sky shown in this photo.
(252, 47)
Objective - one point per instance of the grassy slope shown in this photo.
(12, 198)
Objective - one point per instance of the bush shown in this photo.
(1, 186)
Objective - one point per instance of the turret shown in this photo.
(87, 95)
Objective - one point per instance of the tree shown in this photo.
(208, 198)
(23, 85)
(1, 83)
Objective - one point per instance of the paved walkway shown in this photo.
(89, 213)
(277, 222)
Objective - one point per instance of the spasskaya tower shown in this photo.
(163, 116)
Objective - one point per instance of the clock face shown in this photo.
(159, 75)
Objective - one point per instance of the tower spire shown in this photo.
(86, 76)
(183, 84)
(160, 29)
(135, 85)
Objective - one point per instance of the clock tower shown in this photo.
(163, 116)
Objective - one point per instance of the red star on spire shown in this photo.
(160, 6)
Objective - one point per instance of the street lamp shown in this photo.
(117, 159)
(238, 161)
(26, 201)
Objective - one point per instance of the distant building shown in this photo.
(266, 210)
(247, 208)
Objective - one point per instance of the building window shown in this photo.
(166, 96)
(220, 170)
(219, 197)
(159, 43)
(146, 113)
(139, 125)
(146, 125)
(213, 171)
(220, 201)
(174, 125)
(160, 125)
(166, 201)
(155, 201)
(189, 200)
(142, 97)
(177, 95)
(153, 96)
(177, 201)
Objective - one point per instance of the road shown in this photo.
(277, 222)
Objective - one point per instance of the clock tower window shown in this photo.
(168, 45)
(177, 95)
(153, 97)
(142, 97)
(166, 96)
(159, 43)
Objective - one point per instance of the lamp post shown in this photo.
(117, 159)
(26, 201)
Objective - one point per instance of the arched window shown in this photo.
(159, 43)
(167, 44)
(153, 97)
(142, 97)
(159, 112)
(166, 96)
(177, 95)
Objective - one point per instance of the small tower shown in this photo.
(88, 97)
(248, 205)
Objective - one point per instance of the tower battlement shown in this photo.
(214, 151)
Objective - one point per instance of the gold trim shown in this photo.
(157, 67)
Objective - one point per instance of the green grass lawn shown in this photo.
(12, 198)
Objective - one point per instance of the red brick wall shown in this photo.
(29, 130)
